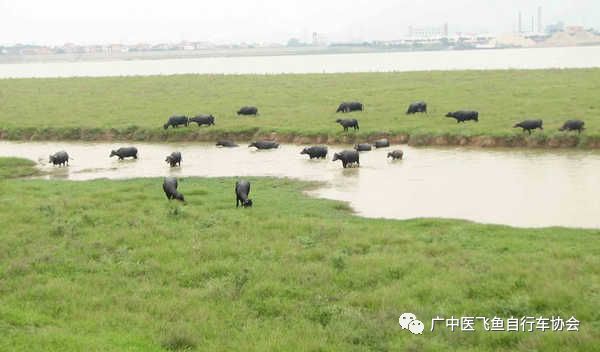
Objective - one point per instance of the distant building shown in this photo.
(428, 32)
(318, 39)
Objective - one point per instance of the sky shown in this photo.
(55, 22)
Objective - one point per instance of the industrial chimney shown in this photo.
(520, 27)
(540, 27)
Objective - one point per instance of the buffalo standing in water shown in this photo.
(174, 159)
(382, 143)
(264, 145)
(350, 106)
(122, 153)
(176, 121)
(347, 123)
(396, 154)
(170, 188)
(348, 157)
(464, 115)
(419, 106)
(226, 143)
(316, 151)
(242, 190)
(203, 120)
(529, 125)
(573, 125)
(248, 110)
(362, 147)
(59, 158)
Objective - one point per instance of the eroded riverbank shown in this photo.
(135, 134)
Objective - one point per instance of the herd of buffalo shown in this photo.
(347, 157)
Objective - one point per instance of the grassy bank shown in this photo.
(301, 108)
(111, 265)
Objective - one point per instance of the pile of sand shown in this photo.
(512, 40)
(572, 38)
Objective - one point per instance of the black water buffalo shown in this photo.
(347, 157)
(349, 106)
(203, 120)
(122, 153)
(242, 190)
(174, 159)
(170, 188)
(362, 147)
(264, 145)
(395, 154)
(418, 106)
(382, 143)
(573, 125)
(176, 121)
(529, 125)
(464, 115)
(226, 143)
(59, 158)
(347, 123)
(316, 151)
(248, 110)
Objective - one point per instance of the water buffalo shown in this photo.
(316, 151)
(248, 110)
(419, 106)
(347, 157)
(226, 143)
(347, 123)
(59, 158)
(573, 125)
(529, 125)
(122, 153)
(362, 147)
(264, 145)
(463, 115)
(176, 121)
(382, 143)
(350, 106)
(203, 120)
(174, 159)
(170, 188)
(242, 189)
(395, 154)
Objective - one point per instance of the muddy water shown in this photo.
(513, 187)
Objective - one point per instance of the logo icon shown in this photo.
(408, 321)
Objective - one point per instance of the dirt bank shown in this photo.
(137, 134)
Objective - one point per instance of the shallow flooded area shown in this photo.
(526, 188)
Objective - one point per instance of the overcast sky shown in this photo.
(228, 21)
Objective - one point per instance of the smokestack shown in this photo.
(520, 26)
(532, 24)
(540, 27)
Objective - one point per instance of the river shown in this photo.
(531, 58)
(524, 188)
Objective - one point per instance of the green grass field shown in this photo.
(112, 265)
(301, 105)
